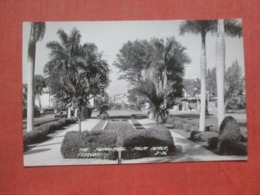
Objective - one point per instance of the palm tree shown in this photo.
(220, 63)
(36, 34)
(231, 28)
(64, 55)
(202, 27)
(155, 97)
(165, 65)
(75, 71)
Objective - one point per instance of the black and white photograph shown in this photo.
(131, 92)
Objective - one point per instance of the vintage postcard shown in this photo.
(129, 92)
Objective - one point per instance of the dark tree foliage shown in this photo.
(155, 68)
(75, 72)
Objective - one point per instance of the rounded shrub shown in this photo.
(62, 121)
(213, 142)
(193, 134)
(229, 134)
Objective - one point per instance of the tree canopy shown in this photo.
(155, 69)
(234, 81)
(75, 72)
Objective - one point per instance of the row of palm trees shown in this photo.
(69, 53)
(221, 27)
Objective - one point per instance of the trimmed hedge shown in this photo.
(147, 142)
(88, 143)
(105, 144)
(193, 134)
(229, 134)
(204, 136)
(40, 133)
(43, 121)
(239, 148)
(213, 142)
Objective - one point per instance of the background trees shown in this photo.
(155, 69)
(76, 72)
(36, 34)
(39, 85)
(234, 87)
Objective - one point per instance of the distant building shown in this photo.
(119, 99)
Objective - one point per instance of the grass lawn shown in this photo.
(211, 119)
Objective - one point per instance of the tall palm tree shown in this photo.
(220, 63)
(231, 28)
(202, 27)
(75, 71)
(36, 34)
(64, 55)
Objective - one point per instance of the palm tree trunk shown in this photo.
(220, 58)
(165, 86)
(79, 117)
(69, 112)
(30, 77)
(39, 99)
(203, 68)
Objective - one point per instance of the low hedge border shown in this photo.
(212, 140)
(135, 144)
(86, 144)
(40, 133)
(38, 123)
(147, 143)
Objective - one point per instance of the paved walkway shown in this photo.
(48, 152)
(187, 150)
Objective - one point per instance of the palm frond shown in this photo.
(233, 27)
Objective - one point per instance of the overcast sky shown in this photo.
(110, 37)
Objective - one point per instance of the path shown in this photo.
(48, 152)
(186, 150)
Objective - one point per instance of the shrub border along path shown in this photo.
(187, 150)
(48, 153)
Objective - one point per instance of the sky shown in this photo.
(109, 37)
